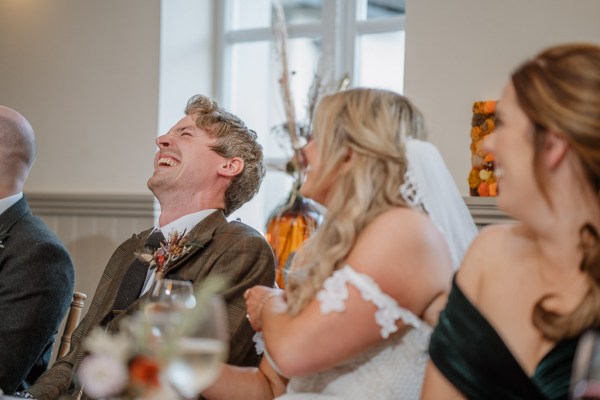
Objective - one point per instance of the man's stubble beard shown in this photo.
(159, 185)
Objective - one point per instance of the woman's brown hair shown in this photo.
(559, 91)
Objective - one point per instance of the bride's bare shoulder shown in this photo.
(402, 237)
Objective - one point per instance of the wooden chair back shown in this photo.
(72, 321)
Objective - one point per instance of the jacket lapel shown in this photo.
(10, 217)
(198, 238)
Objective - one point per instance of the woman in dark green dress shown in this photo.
(527, 291)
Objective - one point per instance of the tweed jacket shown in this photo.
(36, 287)
(231, 249)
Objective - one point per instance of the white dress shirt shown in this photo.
(183, 224)
(9, 201)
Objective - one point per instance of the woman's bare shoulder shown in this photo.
(399, 230)
(406, 254)
(489, 256)
(405, 223)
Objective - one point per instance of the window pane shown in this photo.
(255, 97)
(273, 191)
(303, 56)
(248, 14)
(380, 61)
(252, 87)
(371, 9)
(255, 93)
(302, 11)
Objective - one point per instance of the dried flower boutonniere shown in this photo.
(175, 247)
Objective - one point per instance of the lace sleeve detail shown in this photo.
(410, 190)
(333, 295)
(259, 343)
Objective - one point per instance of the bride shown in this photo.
(356, 316)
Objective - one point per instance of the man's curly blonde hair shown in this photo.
(234, 139)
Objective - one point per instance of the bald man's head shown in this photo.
(17, 151)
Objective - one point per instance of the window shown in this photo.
(361, 40)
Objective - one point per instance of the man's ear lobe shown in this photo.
(231, 167)
(555, 149)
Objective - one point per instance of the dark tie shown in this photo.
(134, 278)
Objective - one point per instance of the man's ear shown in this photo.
(555, 150)
(231, 167)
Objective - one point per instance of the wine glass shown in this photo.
(585, 382)
(201, 348)
(168, 295)
(165, 307)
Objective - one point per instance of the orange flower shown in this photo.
(490, 106)
(489, 158)
(484, 189)
(144, 371)
(484, 107)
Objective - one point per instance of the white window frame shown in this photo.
(339, 39)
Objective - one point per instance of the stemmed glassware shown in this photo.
(165, 307)
(189, 335)
(200, 350)
(585, 383)
(168, 295)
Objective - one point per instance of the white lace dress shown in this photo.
(392, 370)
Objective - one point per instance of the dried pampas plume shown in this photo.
(284, 81)
(297, 130)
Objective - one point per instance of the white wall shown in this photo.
(186, 61)
(86, 74)
(100, 79)
(461, 51)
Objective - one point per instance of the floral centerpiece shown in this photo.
(482, 180)
(134, 362)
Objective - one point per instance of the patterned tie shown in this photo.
(134, 278)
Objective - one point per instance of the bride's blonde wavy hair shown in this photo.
(373, 126)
